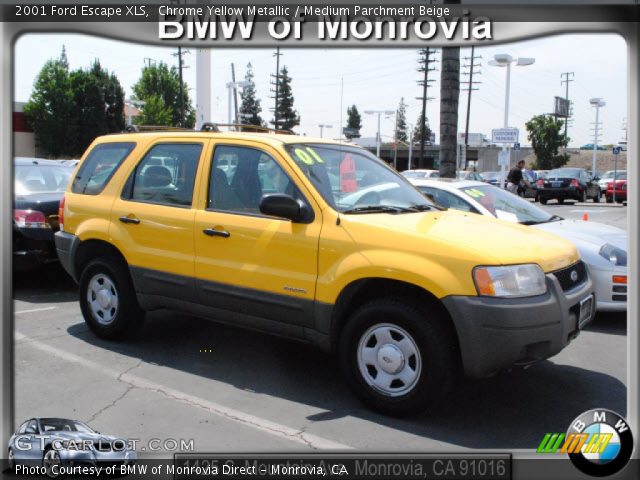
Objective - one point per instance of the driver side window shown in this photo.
(32, 427)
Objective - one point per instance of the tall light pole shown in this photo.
(323, 126)
(379, 113)
(505, 60)
(230, 87)
(596, 102)
(410, 125)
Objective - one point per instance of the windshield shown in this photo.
(353, 180)
(564, 173)
(619, 175)
(62, 425)
(41, 179)
(507, 206)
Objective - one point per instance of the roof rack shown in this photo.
(242, 127)
(154, 128)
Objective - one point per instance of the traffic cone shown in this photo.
(585, 217)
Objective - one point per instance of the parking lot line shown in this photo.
(248, 420)
(32, 310)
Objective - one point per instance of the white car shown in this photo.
(419, 173)
(602, 247)
(608, 177)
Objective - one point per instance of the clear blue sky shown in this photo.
(377, 79)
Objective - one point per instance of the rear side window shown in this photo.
(166, 175)
(99, 166)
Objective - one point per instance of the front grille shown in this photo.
(564, 276)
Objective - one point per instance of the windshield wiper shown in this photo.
(379, 209)
(423, 207)
(552, 218)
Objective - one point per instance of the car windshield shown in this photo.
(507, 206)
(62, 425)
(35, 178)
(564, 173)
(353, 180)
(620, 175)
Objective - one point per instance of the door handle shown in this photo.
(133, 220)
(216, 233)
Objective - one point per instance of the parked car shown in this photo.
(608, 176)
(468, 175)
(589, 146)
(421, 173)
(58, 441)
(530, 191)
(38, 187)
(568, 184)
(619, 188)
(400, 289)
(490, 177)
(602, 247)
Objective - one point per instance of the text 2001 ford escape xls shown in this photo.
(305, 238)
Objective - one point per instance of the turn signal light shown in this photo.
(620, 279)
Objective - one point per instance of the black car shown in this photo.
(568, 184)
(38, 188)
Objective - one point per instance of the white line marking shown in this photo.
(248, 420)
(43, 309)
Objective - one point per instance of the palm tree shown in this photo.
(449, 96)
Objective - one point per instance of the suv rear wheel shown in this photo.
(397, 359)
(107, 299)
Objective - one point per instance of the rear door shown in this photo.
(152, 220)
(260, 266)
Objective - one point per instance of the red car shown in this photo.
(620, 186)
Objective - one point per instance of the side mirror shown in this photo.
(284, 206)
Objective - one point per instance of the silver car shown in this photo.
(602, 247)
(58, 441)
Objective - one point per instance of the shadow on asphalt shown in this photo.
(511, 410)
(47, 284)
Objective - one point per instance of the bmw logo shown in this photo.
(574, 276)
(607, 444)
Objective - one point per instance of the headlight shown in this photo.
(615, 255)
(510, 281)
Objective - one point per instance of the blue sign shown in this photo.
(516, 146)
(617, 150)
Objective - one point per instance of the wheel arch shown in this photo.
(94, 248)
(363, 291)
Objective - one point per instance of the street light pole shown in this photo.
(230, 87)
(379, 113)
(505, 60)
(322, 127)
(597, 102)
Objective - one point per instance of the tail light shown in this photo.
(61, 214)
(540, 182)
(574, 182)
(610, 186)
(30, 219)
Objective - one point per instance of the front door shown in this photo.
(246, 262)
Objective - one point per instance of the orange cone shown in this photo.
(585, 217)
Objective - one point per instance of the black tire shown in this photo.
(127, 316)
(543, 200)
(609, 199)
(596, 199)
(11, 460)
(46, 462)
(561, 201)
(582, 197)
(437, 356)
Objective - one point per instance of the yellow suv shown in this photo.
(318, 241)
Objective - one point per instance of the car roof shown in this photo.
(272, 139)
(37, 161)
(446, 185)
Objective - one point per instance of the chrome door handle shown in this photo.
(132, 220)
(216, 233)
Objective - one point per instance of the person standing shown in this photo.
(515, 177)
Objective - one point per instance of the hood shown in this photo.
(480, 239)
(78, 436)
(580, 231)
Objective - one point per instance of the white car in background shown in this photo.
(607, 177)
(602, 247)
(419, 173)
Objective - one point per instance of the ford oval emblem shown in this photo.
(574, 275)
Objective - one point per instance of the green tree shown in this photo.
(401, 122)
(164, 82)
(155, 112)
(250, 107)
(288, 117)
(50, 108)
(417, 131)
(449, 97)
(544, 133)
(98, 105)
(354, 122)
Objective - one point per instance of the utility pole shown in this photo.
(425, 61)
(149, 62)
(235, 93)
(567, 78)
(597, 103)
(180, 54)
(277, 85)
(471, 66)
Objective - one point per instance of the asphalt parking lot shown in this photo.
(233, 390)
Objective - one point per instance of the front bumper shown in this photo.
(611, 297)
(498, 333)
(93, 457)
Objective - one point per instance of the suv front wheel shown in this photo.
(399, 359)
(107, 299)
